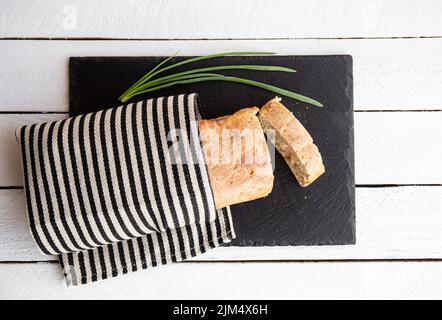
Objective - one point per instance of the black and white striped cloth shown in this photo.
(122, 189)
(154, 249)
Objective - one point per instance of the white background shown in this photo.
(397, 52)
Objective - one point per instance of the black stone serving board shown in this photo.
(323, 213)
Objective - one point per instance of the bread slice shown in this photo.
(237, 157)
(293, 142)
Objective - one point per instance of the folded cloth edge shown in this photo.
(147, 251)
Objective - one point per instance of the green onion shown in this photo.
(147, 84)
(232, 67)
(210, 56)
(152, 73)
(144, 78)
(211, 77)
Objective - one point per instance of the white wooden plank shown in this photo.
(10, 159)
(390, 148)
(392, 223)
(164, 19)
(402, 148)
(388, 74)
(235, 281)
(16, 242)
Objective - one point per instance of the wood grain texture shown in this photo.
(390, 148)
(10, 158)
(388, 74)
(220, 19)
(402, 148)
(391, 223)
(235, 281)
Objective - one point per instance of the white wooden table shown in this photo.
(397, 52)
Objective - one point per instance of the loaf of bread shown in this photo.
(293, 142)
(237, 157)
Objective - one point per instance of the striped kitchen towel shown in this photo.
(122, 189)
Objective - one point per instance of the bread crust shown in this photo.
(237, 157)
(293, 141)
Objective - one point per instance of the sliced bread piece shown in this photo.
(293, 141)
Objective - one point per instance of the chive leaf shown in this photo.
(147, 84)
(155, 71)
(228, 67)
(211, 77)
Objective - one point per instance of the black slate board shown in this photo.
(322, 214)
